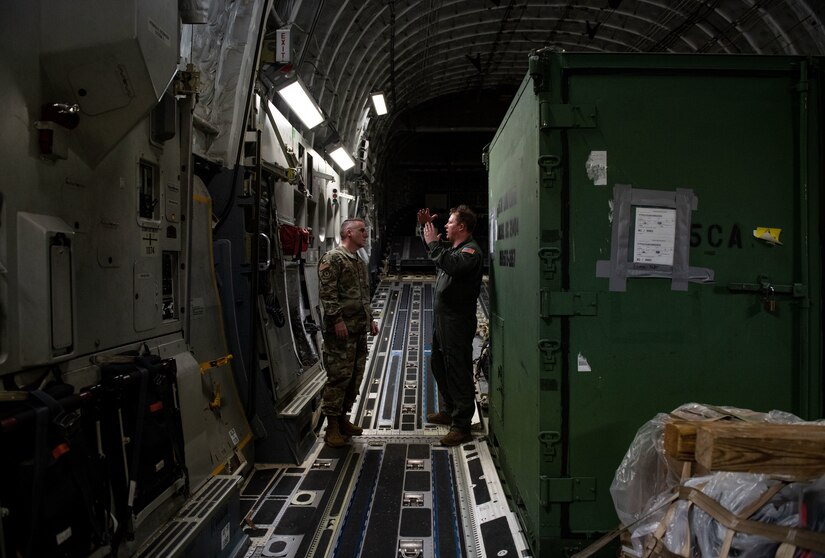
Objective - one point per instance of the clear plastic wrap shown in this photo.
(646, 471)
(646, 481)
(643, 473)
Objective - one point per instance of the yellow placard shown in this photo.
(768, 234)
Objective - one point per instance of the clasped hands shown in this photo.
(430, 232)
(341, 331)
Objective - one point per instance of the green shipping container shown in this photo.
(655, 240)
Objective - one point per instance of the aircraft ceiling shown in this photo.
(450, 67)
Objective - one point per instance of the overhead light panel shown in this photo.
(301, 103)
(379, 102)
(342, 158)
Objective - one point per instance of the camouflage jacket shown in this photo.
(344, 289)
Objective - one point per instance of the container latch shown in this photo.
(548, 165)
(549, 256)
(549, 439)
(769, 291)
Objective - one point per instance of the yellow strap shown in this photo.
(204, 366)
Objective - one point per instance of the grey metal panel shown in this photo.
(146, 296)
(227, 430)
(203, 446)
(34, 305)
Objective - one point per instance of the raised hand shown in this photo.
(425, 217)
(430, 233)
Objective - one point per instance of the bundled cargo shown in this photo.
(708, 481)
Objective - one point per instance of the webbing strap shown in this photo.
(140, 417)
(747, 512)
(789, 537)
(797, 536)
(603, 541)
(41, 413)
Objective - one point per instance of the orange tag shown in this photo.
(59, 450)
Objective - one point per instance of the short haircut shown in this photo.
(464, 214)
(347, 225)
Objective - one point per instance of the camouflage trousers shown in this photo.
(344, 360)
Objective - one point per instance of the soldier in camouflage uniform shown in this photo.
(345, 297)
(459, 265)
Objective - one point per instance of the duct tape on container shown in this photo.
(650, 237)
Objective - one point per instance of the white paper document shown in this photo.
(655, 235)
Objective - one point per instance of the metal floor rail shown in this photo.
(394, 491)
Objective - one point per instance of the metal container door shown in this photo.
(693, 242)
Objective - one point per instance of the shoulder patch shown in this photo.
(468, 250)
(323, 265)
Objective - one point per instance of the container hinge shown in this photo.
(566, 116)
(567, 489)
(565, 303)
(547, 169)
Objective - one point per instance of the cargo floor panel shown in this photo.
(394, 491)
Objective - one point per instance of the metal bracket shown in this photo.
(549, 347)
(322, 464)
(567, 489)
(413, 500)
(548, 165)
(549, 256)
(410, 548)
(549, 439)
(769, 291)
(565, 303)
(566, 116)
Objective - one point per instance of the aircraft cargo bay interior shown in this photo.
(412, 279)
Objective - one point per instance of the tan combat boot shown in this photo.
(333, 436)
(347, 428)
(440, 418)
(456, 438)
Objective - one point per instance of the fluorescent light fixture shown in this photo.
(342, 158)
(379, 103)
(299, 100)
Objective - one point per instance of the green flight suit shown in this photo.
(454, 326)
(345, 296)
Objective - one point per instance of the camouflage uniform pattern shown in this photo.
(345, 296)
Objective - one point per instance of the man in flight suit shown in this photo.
(459, 264)
(345, 297)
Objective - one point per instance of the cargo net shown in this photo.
(706, 481)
